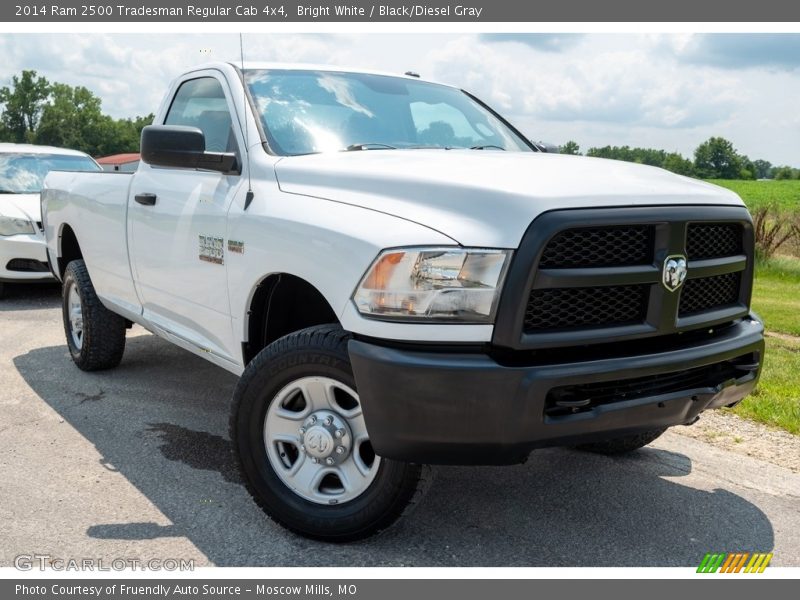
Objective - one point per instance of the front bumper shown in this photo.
(452, 407)
(24, 258)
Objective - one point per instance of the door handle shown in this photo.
(146, 199)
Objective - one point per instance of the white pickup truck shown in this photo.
(402, 279)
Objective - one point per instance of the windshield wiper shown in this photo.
(486, 147)
(369, 146)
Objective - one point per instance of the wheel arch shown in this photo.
(280, 304)
(68, 248)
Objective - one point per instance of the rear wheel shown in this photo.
(623, 444)
(2, 288)
(303, 445)
(95, 335)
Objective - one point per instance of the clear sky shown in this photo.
(668, 91)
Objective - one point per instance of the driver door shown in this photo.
(177, 226)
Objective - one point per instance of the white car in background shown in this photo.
(23, 167)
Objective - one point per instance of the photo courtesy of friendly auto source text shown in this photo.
(362, 300)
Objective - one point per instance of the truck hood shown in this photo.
(483, 197)
(21, 206)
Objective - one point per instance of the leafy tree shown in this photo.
(645, 156)
(35, 110)
(678, 164)
(763, 168)
(72, 119)
(124, 135)
(786, 173)
(604, 152)
(23, 103)
(570, 147)
(716, 158)
(747, 169)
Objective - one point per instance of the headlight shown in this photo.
(10, 226)
(433, 284)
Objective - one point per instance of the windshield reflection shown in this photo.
(304, 112)
(25, 173)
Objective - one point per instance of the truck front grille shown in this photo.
(594, 276)
(599, 247)
(567, 308)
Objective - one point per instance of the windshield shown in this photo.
(25, 173)
(304, 112)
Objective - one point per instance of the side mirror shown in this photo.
(183, 147)
(548, 147)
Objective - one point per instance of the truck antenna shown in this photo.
(248, 199)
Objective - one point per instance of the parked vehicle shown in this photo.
(401, 278)
(22, 170)
(125, 163)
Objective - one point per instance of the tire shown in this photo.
(96, 336)
(2, 289)
(280, 390)
(623, 444)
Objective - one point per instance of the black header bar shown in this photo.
(483, 11)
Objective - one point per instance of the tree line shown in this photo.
(37, 111)
(716, 158)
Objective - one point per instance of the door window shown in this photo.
(201, 103)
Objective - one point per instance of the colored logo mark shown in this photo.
(734, 562)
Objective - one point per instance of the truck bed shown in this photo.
(95, 206)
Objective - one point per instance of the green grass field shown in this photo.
(776, 295)
(784, 195)
(776, 402)
(776, 298)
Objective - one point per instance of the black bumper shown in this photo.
(466, 408)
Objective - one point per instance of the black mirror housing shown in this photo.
(184, 148)
(547, 147)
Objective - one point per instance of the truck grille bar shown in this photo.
(572, 399)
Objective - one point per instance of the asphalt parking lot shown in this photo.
(136, 463)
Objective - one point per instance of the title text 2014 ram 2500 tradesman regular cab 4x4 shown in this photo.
(402, 279)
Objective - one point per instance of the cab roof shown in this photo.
(266, 65)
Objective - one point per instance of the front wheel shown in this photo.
(303, 445)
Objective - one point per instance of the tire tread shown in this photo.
(103, 331)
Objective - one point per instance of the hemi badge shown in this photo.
(236, 246)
